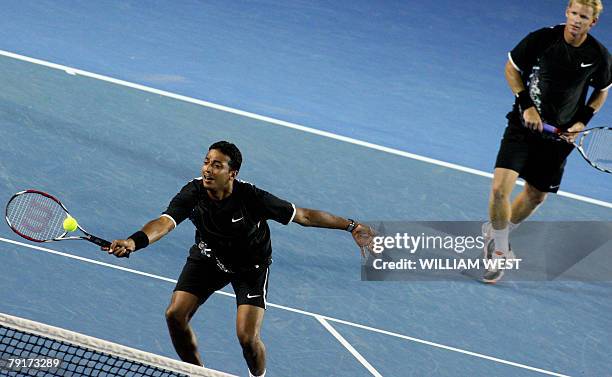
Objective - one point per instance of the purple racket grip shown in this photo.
(551, 129)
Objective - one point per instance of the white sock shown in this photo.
(511, 227)
(261, 375)
(500, 237)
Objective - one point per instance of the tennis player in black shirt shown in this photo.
(232, 246)
(550, 72)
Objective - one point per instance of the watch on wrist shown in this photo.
(351, 226)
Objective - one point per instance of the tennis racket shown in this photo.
(39, 217)
(593, 144)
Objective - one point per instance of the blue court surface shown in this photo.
(359, 95)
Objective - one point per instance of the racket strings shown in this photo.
(36, 216)
(597, 146)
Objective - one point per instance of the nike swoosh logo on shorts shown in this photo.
(585, 65)
(253, 296)
(236, 220)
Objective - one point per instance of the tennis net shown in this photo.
(29, 348)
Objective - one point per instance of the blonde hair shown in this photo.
(596, 5)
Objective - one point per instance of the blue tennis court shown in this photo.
(348, 101)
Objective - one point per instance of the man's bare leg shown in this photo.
(248, 327)
(183, 306)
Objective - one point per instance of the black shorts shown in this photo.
(202, 278)
(538, 160)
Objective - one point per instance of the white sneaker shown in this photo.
(493, 275)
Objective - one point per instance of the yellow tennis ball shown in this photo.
(70, 224)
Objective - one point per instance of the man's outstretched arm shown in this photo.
(320, 219)
(362, 234)
(150, 232)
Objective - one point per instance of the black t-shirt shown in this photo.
(234, 230)
(558, 75)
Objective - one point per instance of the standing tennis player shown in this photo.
(232, 245)
(549, 72)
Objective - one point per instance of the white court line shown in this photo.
(397, 152)
(348, 346)
(299, 311)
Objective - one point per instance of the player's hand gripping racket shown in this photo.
(593, 144)
(40, 217)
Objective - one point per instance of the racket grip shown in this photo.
(550, 129)
(98, 241)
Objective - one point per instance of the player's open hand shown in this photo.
(121, 248)
(570, 135)
(364, 238)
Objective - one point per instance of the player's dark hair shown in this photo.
(231, 151)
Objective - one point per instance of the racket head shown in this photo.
(595, 145)
(36, 216)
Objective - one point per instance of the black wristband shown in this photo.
(524, 100)
(585, 114)
(351, 226)
(141, 240)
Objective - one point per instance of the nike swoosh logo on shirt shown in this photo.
(585, 65)
(236, 220)
(253, 296)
